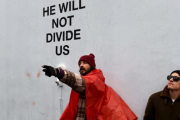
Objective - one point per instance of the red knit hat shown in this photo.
(89, 59)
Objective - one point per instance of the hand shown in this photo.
(49, 71)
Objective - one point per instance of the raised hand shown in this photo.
(49, 71)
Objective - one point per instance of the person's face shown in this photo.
(84, 67)
(174, 85)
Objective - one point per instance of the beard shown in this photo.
(86, 71)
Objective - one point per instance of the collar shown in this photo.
(166, 93)
(96, 72)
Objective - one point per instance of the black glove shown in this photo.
(50, 71)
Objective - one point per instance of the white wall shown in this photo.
(136, 45)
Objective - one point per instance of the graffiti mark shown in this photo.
(38, 74)
(28, 75)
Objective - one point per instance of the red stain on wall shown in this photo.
(38, 74)
(28, 75)
(33, 103)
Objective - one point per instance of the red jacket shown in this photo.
(102, 102)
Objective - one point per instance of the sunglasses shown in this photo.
(175, 78)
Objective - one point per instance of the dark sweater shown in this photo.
(161, 107)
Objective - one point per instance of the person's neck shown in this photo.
(174, 94)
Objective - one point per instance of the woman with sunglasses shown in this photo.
(165, 105)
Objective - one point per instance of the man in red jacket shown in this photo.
(91, 98)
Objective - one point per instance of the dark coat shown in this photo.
(161, 107)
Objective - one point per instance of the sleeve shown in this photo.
(75, 81)
(149, 111)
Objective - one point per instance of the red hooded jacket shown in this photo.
(102, 102)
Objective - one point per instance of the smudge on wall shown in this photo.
(28, 75)
(33, 103)
(39, 74)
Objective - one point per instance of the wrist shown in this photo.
(60, 73)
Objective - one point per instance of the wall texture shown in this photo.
(136, 45)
